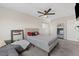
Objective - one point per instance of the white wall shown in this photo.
(72, 32)
(64, 21)
(53, 29)
(54, 26)
(10, 20)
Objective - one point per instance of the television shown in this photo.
(77, 10)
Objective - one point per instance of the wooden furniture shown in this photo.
(16, 32)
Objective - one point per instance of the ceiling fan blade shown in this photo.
(45, 11)
(40, 15)
(40, 12)
(49, 10)
(50, 13)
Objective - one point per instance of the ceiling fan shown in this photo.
(46, 12)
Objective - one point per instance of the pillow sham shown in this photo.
(29, 33)
(33, 33)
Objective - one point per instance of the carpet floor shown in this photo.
(65, 48)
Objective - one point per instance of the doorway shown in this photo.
(60, 31)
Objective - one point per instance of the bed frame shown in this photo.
(18, 32)
(49, 53)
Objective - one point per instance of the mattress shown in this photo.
(42, 41)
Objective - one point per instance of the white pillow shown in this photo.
(2, 43)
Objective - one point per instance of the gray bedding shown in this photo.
(8, 50)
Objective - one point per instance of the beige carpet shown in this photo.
(65, 48)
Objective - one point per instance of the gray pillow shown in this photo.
(8, 50)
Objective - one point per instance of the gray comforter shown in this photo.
(8, 50)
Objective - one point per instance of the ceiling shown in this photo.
(60, 9)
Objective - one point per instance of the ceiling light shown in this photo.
(45, 16)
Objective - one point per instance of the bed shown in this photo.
(44, 42)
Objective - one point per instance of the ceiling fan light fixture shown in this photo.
(45, 16)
